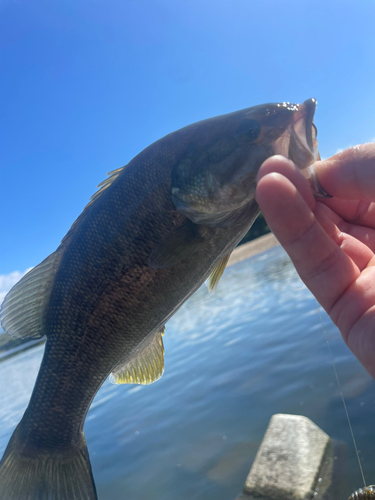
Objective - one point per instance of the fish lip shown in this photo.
(306, 111)
(310, 106)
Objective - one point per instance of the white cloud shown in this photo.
(9, 280)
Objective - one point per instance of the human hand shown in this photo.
(331, 242)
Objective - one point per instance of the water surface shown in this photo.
(232, 360)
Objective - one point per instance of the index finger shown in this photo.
(321, 262)
(349, 175)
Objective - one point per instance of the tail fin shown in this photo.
(47, 475)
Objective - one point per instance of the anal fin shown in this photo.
(146, 366)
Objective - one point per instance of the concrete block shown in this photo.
(288, 461)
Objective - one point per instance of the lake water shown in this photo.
(232, 360)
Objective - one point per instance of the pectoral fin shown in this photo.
(146, 367)
(216, 274)
(176, 247)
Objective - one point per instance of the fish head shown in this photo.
(216, 176)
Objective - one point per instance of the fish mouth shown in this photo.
(298, 142)
(309, 107)
(304, 124)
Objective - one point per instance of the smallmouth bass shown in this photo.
(153, 233)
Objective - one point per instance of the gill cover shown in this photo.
(214, 183)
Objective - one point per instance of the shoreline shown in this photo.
(252, 248)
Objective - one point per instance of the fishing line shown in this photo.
(340, 391)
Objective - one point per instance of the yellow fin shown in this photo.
(216, 274)
(146, 366)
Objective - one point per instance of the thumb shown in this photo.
(349, 175)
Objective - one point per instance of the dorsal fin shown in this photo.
(216, 274)
(112, 176)
(22, 312)
(146, 367)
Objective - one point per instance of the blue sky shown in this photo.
(86, 85)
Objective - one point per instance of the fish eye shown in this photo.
(250, 128)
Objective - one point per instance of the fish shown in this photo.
(153, 233)
(367, 493)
